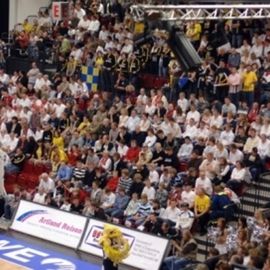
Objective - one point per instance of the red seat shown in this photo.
(28, 166)
(11, 178)
(159, 82)
(183, 166)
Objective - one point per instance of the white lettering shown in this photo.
(21, 255)
(4, 245)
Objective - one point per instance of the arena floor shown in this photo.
(15, 248)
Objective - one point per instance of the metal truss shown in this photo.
(201, 12)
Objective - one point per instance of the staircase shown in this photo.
(255, 197)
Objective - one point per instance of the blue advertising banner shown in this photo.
(21, 255)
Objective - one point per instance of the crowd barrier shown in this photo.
(82, 233)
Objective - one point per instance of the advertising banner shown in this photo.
(147, 251)
(47, 223)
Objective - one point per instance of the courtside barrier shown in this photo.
(147, 251)
(80, 233)
(48, 223)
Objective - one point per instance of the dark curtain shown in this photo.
(4, 15)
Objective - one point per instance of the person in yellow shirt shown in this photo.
(249, 82)
(202, 206)
(27, 27)
(58, 140)
(193, 32)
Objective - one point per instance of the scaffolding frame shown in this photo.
(202, 12)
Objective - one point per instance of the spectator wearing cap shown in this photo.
(185, 218)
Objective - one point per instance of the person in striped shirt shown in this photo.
(144, 210)
(125, 182)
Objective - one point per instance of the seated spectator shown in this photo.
(64, 172)
(221, 206)
(253, 163)
(185, 250)
(132, 207)
(238, 177)
(16, 162)
(185, 150)
(149, 190)
(171, 213)
(201, 209)
(46, 183)
(204, 182)
(117, 208)
(185, 218)
(144, 209)
(96, 193)
(107, 199)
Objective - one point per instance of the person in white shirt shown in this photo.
(103, 33)
(149, 190)
(145, 123)
(227, 136)
(185, 150)
(4, 78)
(252, 141)
(264, 147)
(172, 212)
(182, 102)
(235, 155)
(185, 218)
(84, 23)
(191, 130)
(188, 194)
(66, 205)
(153, 174)
(128, 47)
(78, 11)
(150, 139)
(193, 114)
(132, 121)
(4, 160)
(122, 148)
(107, 199)
(40, 196)
(11, 142)
(94, 24)
(39, 82)
(204, 182)
(142, 97)
(59, 107)
(238, 176)
(216, 119)
(46, 183)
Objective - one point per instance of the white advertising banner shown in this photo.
(147, 251)
(50, 224)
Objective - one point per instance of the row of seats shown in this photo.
(28, 178)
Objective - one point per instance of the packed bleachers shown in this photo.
(168, 151)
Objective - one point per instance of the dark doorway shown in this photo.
(4, 15)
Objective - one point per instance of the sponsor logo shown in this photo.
(95, 233)
(37, 258)
(29, 214)
(58, 264)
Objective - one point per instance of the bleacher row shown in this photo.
(28, 178)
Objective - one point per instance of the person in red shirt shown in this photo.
(23, 40)
(132, 154)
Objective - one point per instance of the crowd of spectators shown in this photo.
(165, 161)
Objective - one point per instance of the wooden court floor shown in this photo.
(6, 265)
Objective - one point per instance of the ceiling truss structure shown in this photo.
(201, 12)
